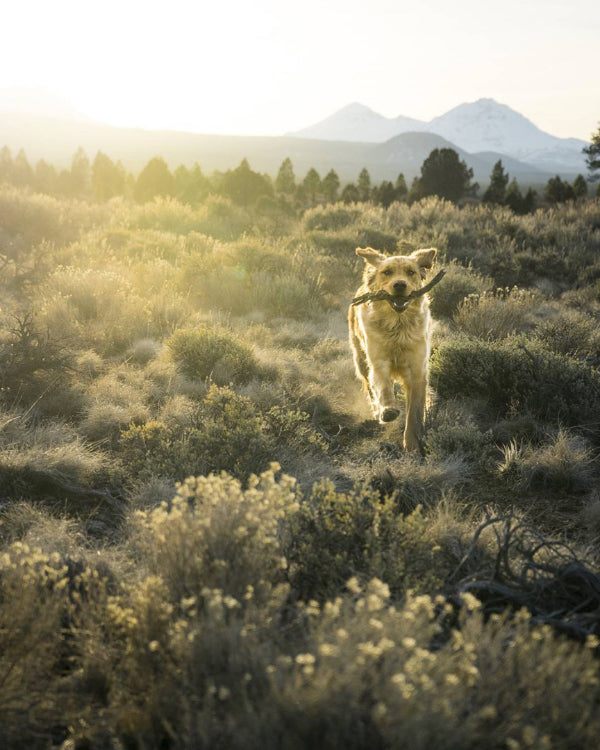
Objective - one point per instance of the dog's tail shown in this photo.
(361, 364)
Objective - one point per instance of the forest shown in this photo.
(205, 539)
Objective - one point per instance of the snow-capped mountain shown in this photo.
(355, 122)
(484, 125)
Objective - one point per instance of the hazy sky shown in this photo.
(269, 66)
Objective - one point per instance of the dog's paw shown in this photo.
(388, 414)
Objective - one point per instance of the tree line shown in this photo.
(442, 174)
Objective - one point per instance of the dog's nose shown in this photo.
(399, 287)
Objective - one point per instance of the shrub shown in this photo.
(570, 333)
(335, 536)
(512, 375)
(458, 283)
(451, 431)
(495, 315)
(31, 362)
(206, 353)
(32, 607)
(332, 217)
(218, 535)
(229, 436)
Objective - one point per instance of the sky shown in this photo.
(266, 67)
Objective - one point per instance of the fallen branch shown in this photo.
(398, 302)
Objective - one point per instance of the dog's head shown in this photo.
(398, 275)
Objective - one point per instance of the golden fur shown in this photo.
(393, 347)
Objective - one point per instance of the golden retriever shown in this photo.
(390, 346)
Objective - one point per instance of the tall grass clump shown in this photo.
(205, 352)
(563, 464)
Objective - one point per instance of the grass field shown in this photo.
(206, 542)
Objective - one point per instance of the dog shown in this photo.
(393, 346)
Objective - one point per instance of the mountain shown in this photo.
(486, 125)
(356, 122)
(481, 126)
(56, 140)
(35, 100)
(409, 151)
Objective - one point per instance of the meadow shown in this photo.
(207, 542)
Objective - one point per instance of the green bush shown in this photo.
(335, 536)
(495, 315)
(328, 218)
(458, 283)
(516, 375)
(207, 353)
(570, 333)
(229, 436)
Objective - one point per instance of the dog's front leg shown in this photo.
(416, 388)
(382, 390)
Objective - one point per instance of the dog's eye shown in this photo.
(410, 272)
(387, 272)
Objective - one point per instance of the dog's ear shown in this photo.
(424, 258)
(373, 257)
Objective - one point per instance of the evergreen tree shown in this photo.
(330, 186)
(401, 188)
(529, 201)
(45, 177)
(191, 185)
(384, 194)
(496, 190)
(364, 185)
(312, 185)
(580, 186)
(22, 171)
(558, 191)
(350, 193)
(444, 175)
(80, 183)
(244, 186)
(592, 156)
(108, 178)
(285, 182)
(513, 198)
(155, 179)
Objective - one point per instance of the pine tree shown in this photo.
(350, 193)
(108, 178)
(80, 183)
(312, 185)
(384, 194)
(580, 186)
(558, 191)
(444, 175)
(496, 190)
(592, 154)
(330, 186)
(401, 188)
(155, 179)
(22, 173)
(285, 182)
(364, 185)
(45, 177)
(190, 185)
(513, 198)
(244, 186)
